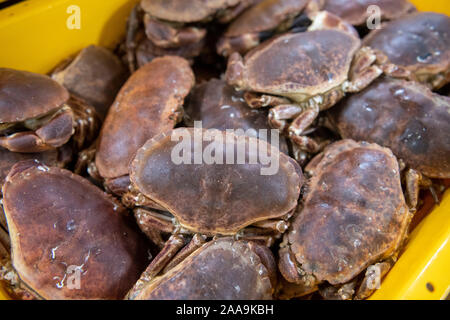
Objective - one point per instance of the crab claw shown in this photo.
(235, 74)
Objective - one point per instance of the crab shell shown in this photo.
(355, 12)
(296, 66)
(8, 159)
(404, 116)
(147, 51)
(215, 198)
(354, 212)
(26, 95)
(95, 75)
(56, 220)
(222, 269)
(149, 103)
(419, 42)
(219, 106)
(265, 16)
(186, 11)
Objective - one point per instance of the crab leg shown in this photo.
(3, 223)
(372, 278)
(276, 225)
(132, 30)
(279, 115)
(151, 220)
(172, 246)
(87, 122)
(135, 199)
(414, 182)
(256, 100)
(196, 242)
(304, 120)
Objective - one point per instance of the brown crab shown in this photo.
(37, 114)
(95, 75)
(356, 12)
(222, 269)
(63, 227)
(236, 196)
(260, 22)
(406, 117)
(218, 106)
(354, 218)
(150, 102)
(301, 74)
(419, 43)
(170, 24)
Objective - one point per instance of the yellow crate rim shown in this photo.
(427, 255)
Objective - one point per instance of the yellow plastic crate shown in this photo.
(36, 35)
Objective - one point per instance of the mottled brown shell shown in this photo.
(215, 198)
(95, 75)
(57, 219)
(404, 116)
(220, 270)
(220, 106)
(419, 41)
(8, 159)
(354, 212)
(266, 15)
(299, 65)
(186, 11)
(355, 12)
(149, 103)
(25, 95)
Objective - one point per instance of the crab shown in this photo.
(351, 225)
(356, 12)
(176, 23)
(247, 272)
(260, 22)
(406, 117)
(301, 74)
(62, 227)
(212, 199)
(37, 114)
(217, 105)
(419, 43)
(150, 102)
(95, 75)
(58, 157)
(146, 51)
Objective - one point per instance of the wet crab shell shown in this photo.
(404, 116)
(419, 42)
(298, 65)
(56, 220)
(244, 275)
(263, 17)
(215, 198)
(95, 75)
(149, 103)
(221, 107)
(25, 95)
(186, 11)
(355, 12)
(266, 15)
(8, 159)
(354, 212)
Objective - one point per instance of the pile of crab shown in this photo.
(97, 197)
